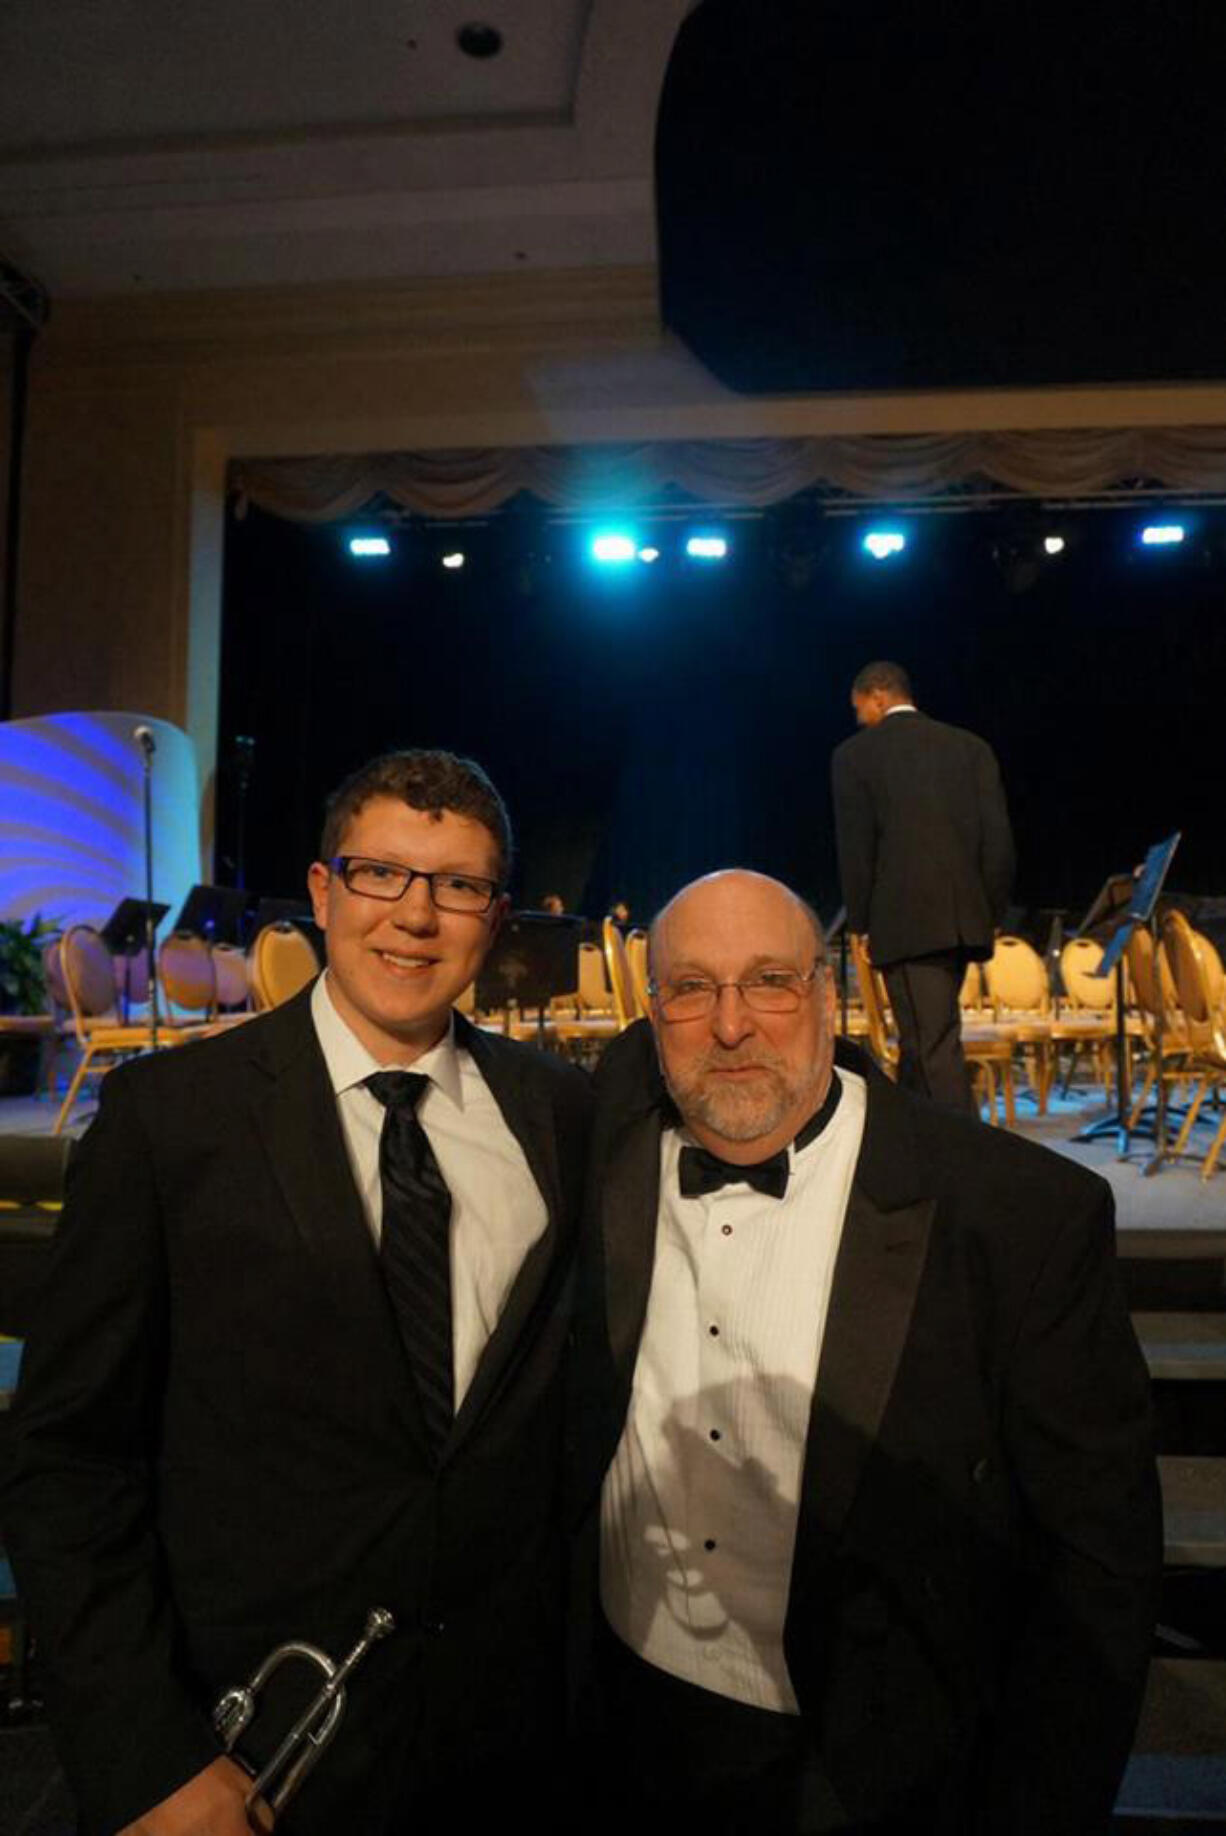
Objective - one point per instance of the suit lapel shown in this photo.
(877, 1275)
(298, 1124)
(530, 1117)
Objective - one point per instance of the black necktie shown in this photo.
(699, 1172)
(415, 1249)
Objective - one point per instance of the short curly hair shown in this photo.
(436, 782)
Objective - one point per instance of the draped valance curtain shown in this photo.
(893, 468)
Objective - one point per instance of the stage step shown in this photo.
(1177, 1773)
(1182, 1347)
(1194, 1511)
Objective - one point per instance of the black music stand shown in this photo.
(1129, 900)
(836, 932)
(534, 957)
(126, 934)
(216, 913)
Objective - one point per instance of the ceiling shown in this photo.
(221, 144)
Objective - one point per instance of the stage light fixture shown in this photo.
(707, 547)
(1162, 535)
(882, 543)
(613, 548)
(1054, 545)
(367, 547)
(649, 554)
(453, 560)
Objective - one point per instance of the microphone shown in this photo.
(145, 740)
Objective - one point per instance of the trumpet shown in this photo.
(274, 1786)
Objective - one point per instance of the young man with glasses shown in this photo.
(299, 1358)
(861, 1425)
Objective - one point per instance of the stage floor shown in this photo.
(1174, 1198)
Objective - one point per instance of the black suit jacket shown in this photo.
(974, 1583)
(217, 1444)
(925, 848)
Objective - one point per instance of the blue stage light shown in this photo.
(882, 543)
(649, 554)
(454, 560)
(707, 547)
(1162, 535)
(614, 547)
(365, 547)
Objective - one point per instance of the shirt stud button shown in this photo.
(716, 1435)
(726, 1229)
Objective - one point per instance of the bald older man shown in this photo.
(861, 1421)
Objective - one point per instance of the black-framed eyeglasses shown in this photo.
(767, 991)
(388, 880)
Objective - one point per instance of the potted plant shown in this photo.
(23, 990)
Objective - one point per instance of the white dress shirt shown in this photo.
(497, 1212)
(700, 1504)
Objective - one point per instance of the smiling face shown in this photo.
(396, 968)
(745, 1082)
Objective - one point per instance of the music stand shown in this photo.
(836, 932)
(216, 913)
(1143, 890)
(534, 957)
(125, 934)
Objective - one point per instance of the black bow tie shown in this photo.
(699, 1172)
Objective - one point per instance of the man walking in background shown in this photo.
(926, 861)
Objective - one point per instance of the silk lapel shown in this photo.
(629, 1207)
(298, 1124)
(877, 1275)
(530, 1116)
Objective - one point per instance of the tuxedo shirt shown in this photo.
(497, 1212)
(700, 1505)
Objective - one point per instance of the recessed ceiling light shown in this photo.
(479, 39)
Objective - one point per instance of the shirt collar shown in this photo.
(902, 707)
(350, 1063)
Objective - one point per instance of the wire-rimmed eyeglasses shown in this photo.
(388, 880)
(767, 991)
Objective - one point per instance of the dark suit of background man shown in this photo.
(222, 1440)
(926, 859)
(863, 1423)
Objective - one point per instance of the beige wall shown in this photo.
(137, 405)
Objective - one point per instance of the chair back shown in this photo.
(594, 997)
(53, 977)
(132, 978)
(230, 976)
(636, 958)
(873, 999)
(1141, 974)
(1016, 976)
(466, 1001)
(186, 974)
(282, 963)
(89, 976)
(971, 995)
(1079, 959)
(1189, 970)
(624, 1005)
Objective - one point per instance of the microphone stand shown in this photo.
(148, 746)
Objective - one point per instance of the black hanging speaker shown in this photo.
(954, 193)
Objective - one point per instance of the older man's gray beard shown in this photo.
(745, 1110)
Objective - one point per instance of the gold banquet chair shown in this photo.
(625, 1006)
(987, 1048)
(636, 962)
(232, 978)
(1017, 983)
(102, 1038)
(1191, 959)
(187, 979)
(1159, 1013)
(282, 961)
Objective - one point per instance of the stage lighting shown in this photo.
(707, 547)
(1053, 545)
(882, 543)
(649, 554)
(453, 560)
(365, 547)
(610, 547)
(1162, 535)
